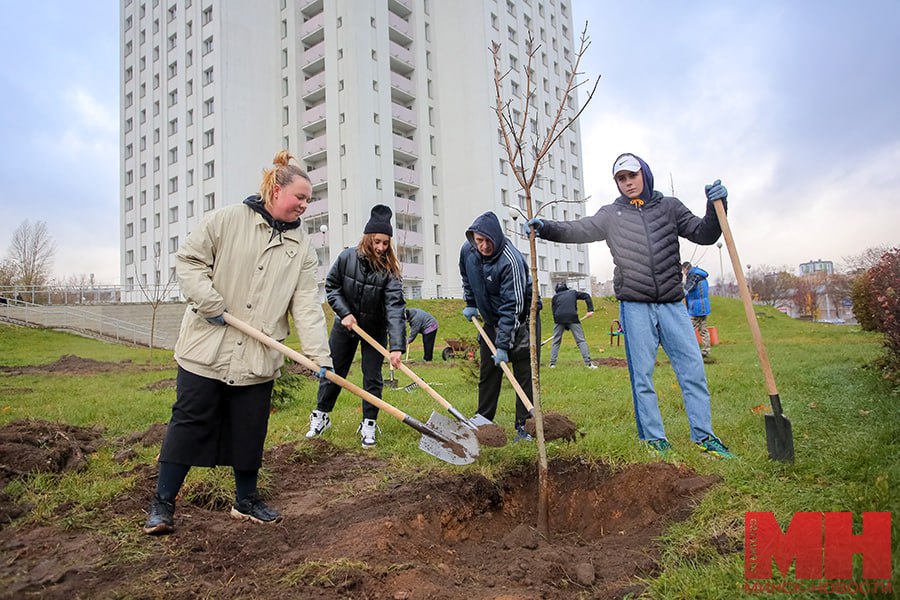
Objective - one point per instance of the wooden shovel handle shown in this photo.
(745, 297)
(579, 320)
(409, 372)
(509, 374)
(312, 366)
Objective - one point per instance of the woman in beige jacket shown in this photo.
(255, 261)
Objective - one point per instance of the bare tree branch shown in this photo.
(31, 253)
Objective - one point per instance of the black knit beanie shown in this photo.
(380, 221)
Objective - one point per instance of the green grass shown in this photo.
(844, 416)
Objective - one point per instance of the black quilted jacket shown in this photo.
(643, 241)
(375, 298)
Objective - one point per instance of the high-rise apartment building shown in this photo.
(382, 101)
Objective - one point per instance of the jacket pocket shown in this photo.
(199, 341)
(261, 360)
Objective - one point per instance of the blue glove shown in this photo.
(219, 320)
(500, 357)
(322, 371)
(537, 225)
(470, 312)
(716, 191)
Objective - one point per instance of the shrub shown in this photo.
(861, 294)
(884, 305)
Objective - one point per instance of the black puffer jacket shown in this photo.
(375, 298)
(643, 241)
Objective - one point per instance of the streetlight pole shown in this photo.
(721, 269)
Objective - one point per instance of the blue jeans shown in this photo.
(647, 326)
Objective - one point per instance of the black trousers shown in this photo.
(217, 424)
(428, 341)
(491, 376)
(343, 343)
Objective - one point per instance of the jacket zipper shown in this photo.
(650, 254)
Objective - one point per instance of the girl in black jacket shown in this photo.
(363, 288)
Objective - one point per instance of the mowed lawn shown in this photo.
(845, 420)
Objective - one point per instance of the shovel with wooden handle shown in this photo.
(506, 370)
(443, 439)
(419, 381)
(579, 320)
(779, 434)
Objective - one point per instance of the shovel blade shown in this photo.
(779, 438)
(479, 420)
(459, 445)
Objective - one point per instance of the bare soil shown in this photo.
(69, 364)
(356, 527)
(619, 363)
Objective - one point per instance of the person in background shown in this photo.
(696, 297)
(641, 228)
(255, 261)
(363, 288)
(497, 283)
(565, 317)
(424, 323)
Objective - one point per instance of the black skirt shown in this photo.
(217, 424)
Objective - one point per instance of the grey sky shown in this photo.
(791, 104)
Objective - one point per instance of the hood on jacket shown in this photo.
(561, 287)
(256, 204)
(489, 226)
(646, 174)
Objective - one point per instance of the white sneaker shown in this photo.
(366, 432)
(319, 421)
(590, 365)
(552, 366)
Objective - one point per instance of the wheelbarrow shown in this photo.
(443, 438)
(458, 347)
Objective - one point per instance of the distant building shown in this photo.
(815, 267)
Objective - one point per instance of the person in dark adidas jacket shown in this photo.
(641, 228)
(497, 283)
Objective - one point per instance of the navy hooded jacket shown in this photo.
(642, 235)
(565, 304)
(499, 285)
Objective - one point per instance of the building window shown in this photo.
(173, 155)
(129, 203)
(208, 76)
(206, 17)
(209, 202)
(285, 115)
(173, 214)
(209, 138)
(173, 244)
(129, 150)
(129, 257)
(207, 45)
(143, 254)
(157, 221)
(208, 107)
(129, 230)
(143, 224)
(129, 177)
(173, 187)
(190, 179)
(172, 41)
(209, 170)
(173, 126)
(173, 97)
(129, 73)
(190, 207)
(129, 124)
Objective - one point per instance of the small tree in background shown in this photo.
(527, 145)
(30, 254)
(157, 291)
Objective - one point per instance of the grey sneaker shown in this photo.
(253, 509)
(318, 422)
(366, 431)
(590, 365)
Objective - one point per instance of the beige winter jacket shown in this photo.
(229, 263)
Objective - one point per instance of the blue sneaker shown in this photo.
(714, 446)
(662, 447)
(522, 435)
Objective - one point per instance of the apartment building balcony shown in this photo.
(313, 30)
(399, 29)
(403, 119)
(404, 148)
(409, 239)
(404, 177)
(319, 178)
(401, 58)
(311, 7)
(314, 58)
(314, 149)
(407, 206)
(314, 88)
(412, 271)
(400, 7)
(314, 118)
(402, 87)
(319, 206)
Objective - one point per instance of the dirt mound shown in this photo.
(69, 364)
(32, 446)
(356, 527)
(556, 427)
(491, 435)
(619, 363)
